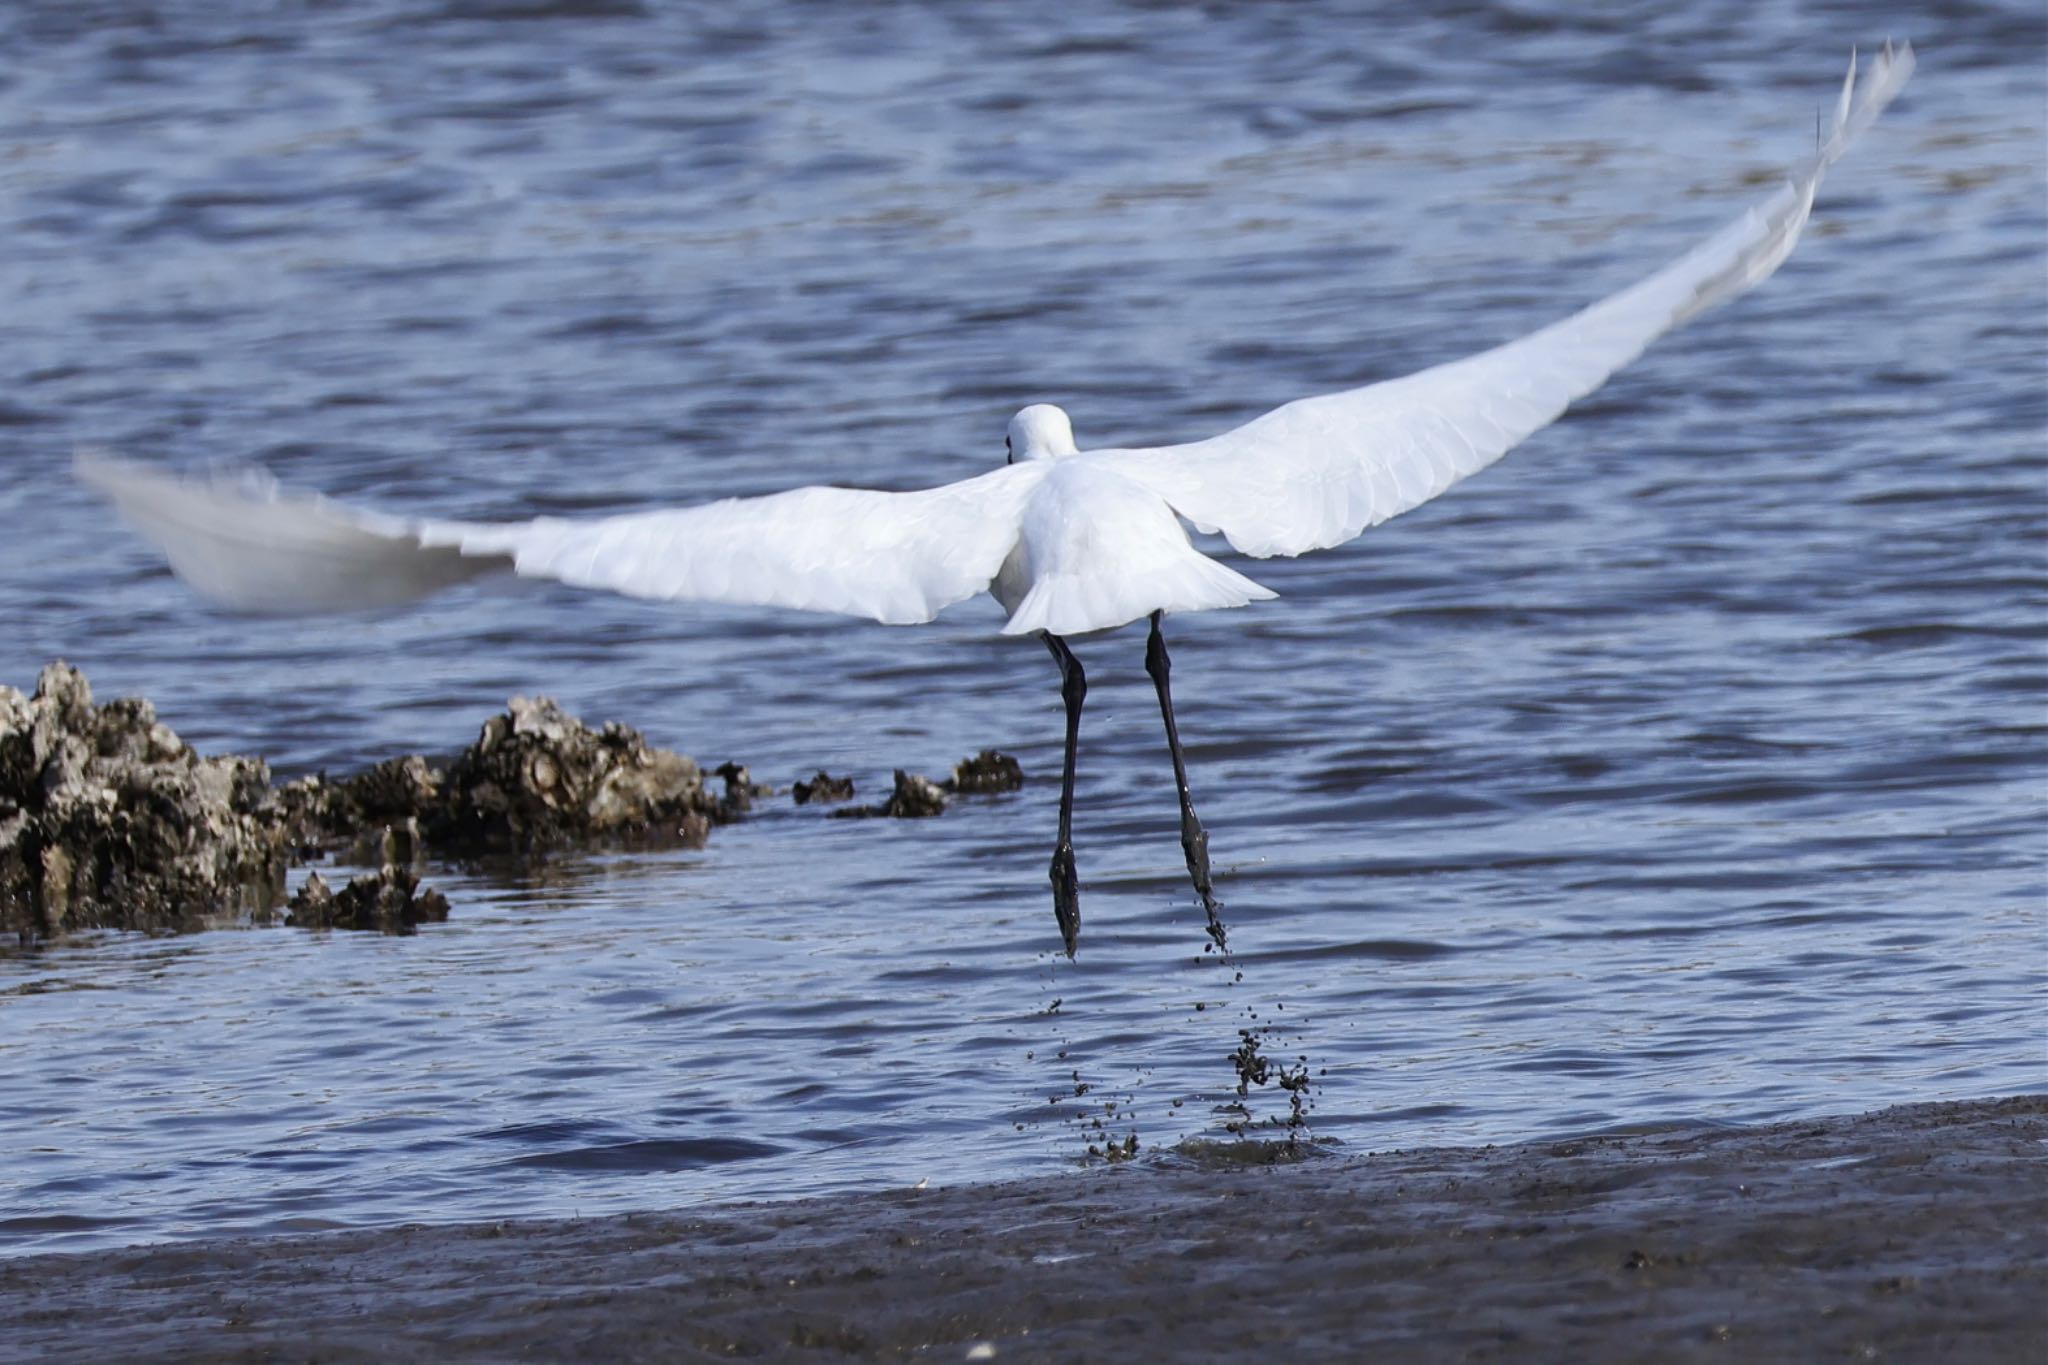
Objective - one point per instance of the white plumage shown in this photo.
(1069, 541)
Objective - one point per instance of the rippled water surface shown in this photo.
(1686, 766)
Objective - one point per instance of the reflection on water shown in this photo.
(1686, 766)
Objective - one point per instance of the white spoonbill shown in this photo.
(1069, 541)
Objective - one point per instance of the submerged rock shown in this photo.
(823, 789)
(390, 901)
(740, 789)
(915, 798)
(987, 774)
(109, 820)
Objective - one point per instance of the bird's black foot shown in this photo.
(1066, 896)
(1195, 843)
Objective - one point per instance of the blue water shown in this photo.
(1687, 766)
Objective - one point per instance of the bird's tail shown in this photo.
(1076, 603)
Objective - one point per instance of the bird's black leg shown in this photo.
(1066, 884)
(1194, 840)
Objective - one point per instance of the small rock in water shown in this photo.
(823, 789)
(914, 798)
(740, 789)
(987, 773)
(390, 901)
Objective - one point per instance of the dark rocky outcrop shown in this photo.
(108, 819)
(537, 780)
(914, 798)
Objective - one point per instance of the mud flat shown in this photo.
(1917, 1233)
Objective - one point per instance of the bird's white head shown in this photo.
(1040, 432)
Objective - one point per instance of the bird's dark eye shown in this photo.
(1010, 457)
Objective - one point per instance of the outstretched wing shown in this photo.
(237, 538)
(896, 557)
(1318, 471)
(899, 558)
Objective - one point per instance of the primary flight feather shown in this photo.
(1069, 541)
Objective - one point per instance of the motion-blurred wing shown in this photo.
(896, 557)
(1318, 471)
(236, 538)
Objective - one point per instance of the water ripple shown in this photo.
(1684, 768)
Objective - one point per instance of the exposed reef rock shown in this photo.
(108, 819)
(536, 780)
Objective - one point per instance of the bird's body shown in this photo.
(1069, 541)
(1096, 549)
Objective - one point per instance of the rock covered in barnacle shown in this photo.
(390, 901)
(823, 789)
(986, 774)
(394, 790)
(913, 799)
(108, 819)
(740, 789)
(536, 779)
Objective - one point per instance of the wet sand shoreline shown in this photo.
(1912, 1233)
